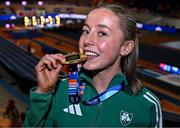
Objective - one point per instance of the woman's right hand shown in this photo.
(47, 71)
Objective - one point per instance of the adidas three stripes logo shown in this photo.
(73, 109)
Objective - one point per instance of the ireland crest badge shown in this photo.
(125, 118)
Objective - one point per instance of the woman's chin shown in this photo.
(89, 67)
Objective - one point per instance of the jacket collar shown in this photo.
(117, 79)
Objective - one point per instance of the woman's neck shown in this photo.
(102, 79)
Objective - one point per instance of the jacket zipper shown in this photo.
(98, 113)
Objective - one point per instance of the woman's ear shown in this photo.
(127, 48)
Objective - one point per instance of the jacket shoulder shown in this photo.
(152, 103)
(148, 97)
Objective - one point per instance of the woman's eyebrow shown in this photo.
(103, 26)
(99, 25)
(86, 25)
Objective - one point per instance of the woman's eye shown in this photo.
(84, 32)
(102, 34)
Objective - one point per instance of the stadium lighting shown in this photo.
(7, 26)
(158, 29)
(7, 3)
(40, 3)
(13, 17)
(72, 16)
(169, 68)
(24, 3)
(139, 25)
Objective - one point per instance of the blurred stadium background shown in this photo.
(29, 29)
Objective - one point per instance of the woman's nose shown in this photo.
(89, 39)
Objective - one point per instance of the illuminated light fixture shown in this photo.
(7, 25)
(26, 21)
(13, 17)
(40, 3)
(169, 68)
(34, 21)
(24, 3)
(139, 25)
(158, 29)
(50, 22)
(33, 17)
(41, 17)
(42, 20)
(7, 3)
(78, 16)
(58, 20)
(72, 16)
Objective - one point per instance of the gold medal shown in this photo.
(75, 58)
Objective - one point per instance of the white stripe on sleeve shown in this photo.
(158, 114)
(159, 108)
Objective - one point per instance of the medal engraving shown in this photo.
(75, 58)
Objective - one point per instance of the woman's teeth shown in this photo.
(91, 54)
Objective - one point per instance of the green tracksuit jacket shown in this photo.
(121, 110)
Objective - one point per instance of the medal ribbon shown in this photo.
(76, 90)
(104, 95)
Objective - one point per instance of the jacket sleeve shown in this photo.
(39, 107)
(156, 115)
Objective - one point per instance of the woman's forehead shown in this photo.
(102, 12)
(102, 15)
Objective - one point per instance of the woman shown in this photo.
(113, 96)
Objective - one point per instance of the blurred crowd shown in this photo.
(169, 8)
(12, 113)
